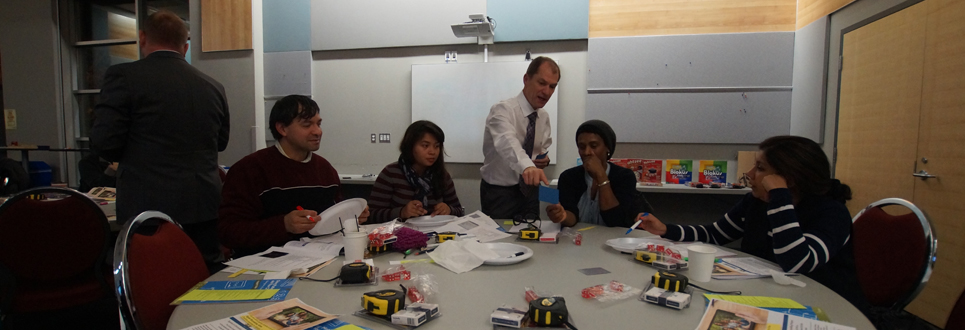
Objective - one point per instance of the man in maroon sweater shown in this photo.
(263, 191)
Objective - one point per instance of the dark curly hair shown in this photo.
(805, 167)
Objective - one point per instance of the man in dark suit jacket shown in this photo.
(165, 122)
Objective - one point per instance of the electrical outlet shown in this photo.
(384, 138)
(373, 137)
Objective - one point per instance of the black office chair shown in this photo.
(13, 177)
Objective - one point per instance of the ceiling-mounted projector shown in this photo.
(479, 26)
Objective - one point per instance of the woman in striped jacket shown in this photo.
(418, 183)
(794, 216)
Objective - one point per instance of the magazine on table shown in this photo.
(726, 315)
(290, 314)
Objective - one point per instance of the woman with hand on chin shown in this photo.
(598, 192)
(418, 183)
(794, 216)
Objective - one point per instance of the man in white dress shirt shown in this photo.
(515, 144)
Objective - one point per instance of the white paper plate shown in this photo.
(628, 244)
(508, 253)
(347, 209)
(427, 221)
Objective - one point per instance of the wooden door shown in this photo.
(879, 107)
(942, 142)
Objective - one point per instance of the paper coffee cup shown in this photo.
(355, 245)
(701, 262)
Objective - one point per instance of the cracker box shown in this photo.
(508, 316)
(650, 172)
(679, 171)
(712, 171)
(676, 300)
(409, 317)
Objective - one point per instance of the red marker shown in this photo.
(300, 208)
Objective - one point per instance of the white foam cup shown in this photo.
(701, 262)
(355, 245)
(349, 225)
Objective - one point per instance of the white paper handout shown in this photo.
(462, 256)
(329, 247)
(476, 224)
(277, 259)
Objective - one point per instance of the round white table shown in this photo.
(467, 300)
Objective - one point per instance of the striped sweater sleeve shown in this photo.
(802, 251)
(451, 199)
(380, 200)
(729, 228)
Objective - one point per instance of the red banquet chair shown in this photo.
(54, 245)
(956, 320)
(894, 254)
(154, 263)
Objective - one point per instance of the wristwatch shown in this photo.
(603, 183)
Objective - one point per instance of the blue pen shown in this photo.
(639, 220)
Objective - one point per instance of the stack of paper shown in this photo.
(281, 259)
(739, 268)
(475, 224)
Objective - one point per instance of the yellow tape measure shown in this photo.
(670, 281)
(383, 302)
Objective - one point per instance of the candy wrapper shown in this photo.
(572, 233)
(396, 273)
(422, 288)
(531, 294)
(378, 235)
(610, 291)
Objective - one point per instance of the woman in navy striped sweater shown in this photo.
(794, 216)
(418, 183)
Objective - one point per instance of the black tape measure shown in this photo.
(548, 311)
(356, 272)
(670, 281)
(383, 302)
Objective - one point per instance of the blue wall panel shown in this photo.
(287, 25)
(523, 20)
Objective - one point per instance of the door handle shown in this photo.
(923, 174)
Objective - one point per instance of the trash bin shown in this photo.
(41, 174)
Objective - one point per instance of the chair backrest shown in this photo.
(956, 320)
(222, 173)
(52, 246)
(893, 254)
(152, 269)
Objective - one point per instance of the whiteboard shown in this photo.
(457, 97)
